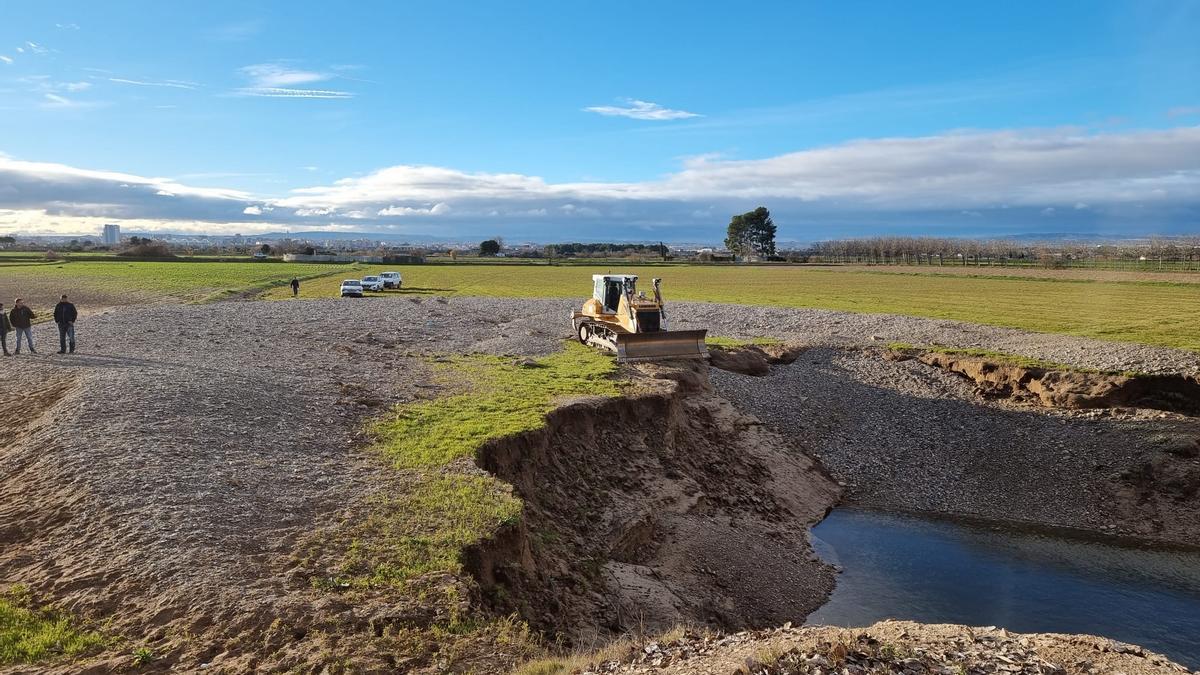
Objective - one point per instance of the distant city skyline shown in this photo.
(625, 121)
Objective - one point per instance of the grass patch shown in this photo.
(31, 635)
(505, 397)
(423, 528)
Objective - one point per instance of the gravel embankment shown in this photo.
(193, 444)
(903, 435)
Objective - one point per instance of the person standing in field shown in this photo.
(5, 327)
(64, 317)
(295, 287)
(22, 318)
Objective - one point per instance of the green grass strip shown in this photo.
(423, 528)
(505, 397)
(29, 635)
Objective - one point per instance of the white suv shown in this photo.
(352, 287)
(372, 283)
(391, 279)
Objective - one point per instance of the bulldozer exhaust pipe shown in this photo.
(667, 344)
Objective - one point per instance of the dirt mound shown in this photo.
(645, 512)
(753, 360)
(1068, 388)
(887, 647)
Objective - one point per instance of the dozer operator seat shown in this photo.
(608, 288)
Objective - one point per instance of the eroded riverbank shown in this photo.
(906, 436)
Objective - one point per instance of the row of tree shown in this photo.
(942, 251)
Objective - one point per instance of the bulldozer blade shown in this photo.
(672, 344)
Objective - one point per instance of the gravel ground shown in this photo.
(903, 435)
(163, 473)
(886, 647)
(188, 446)
(833, 328)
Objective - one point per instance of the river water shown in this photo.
(935, 571)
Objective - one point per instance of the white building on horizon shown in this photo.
(111, 235)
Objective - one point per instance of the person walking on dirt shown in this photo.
(5, 327)
(22, 318)
(295, 287)
(64, 316)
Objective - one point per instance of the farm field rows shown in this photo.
(1139, 311)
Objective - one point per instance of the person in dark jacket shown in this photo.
(64, 316)
(295, 287)
(22, 318)
(5, 327)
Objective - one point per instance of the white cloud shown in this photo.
(67, 26)
(1184, 111)
(56, 101)
(641, 110)
(272, 80)
(959, 175)
(6, 59)
(960, 171)
(35, 48)
(272, 75)
(76, 86)
(278, 92)
(441, 208)
(173, 84)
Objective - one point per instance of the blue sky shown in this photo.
(552, 120)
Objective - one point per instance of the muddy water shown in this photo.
(931, 571)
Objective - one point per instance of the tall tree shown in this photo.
(489, 247)
(751, 233)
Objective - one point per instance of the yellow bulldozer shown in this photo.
(620, 319)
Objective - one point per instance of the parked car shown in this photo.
(352, 288)
(372, 283)
(391, 279)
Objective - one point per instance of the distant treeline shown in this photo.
(607, 250)
(1182, 252)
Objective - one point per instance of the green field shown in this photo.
(1140, 311)
(1135, 309)
(119, 282)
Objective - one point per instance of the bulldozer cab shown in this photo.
(608, 289)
